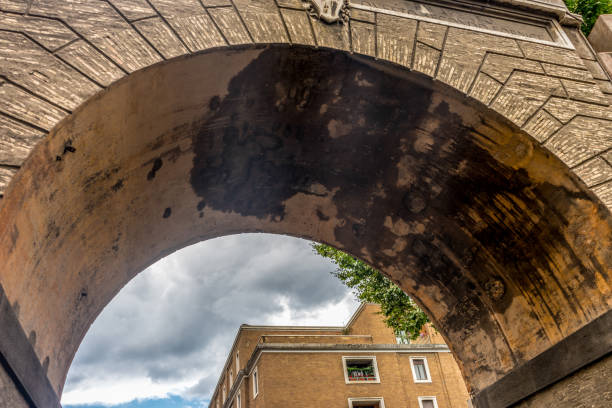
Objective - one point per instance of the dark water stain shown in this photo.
(157, 164)
(45, 365)
(117, 186)
(14, 236)
(32, 338)
(272, 145)
(390, 152)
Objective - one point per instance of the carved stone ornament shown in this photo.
(330, 11)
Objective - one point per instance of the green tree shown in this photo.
(401, 313)
(589, 10)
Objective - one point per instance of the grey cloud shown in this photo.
(178, 318)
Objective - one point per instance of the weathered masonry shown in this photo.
(463, 148)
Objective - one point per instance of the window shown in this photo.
(255, 383)
(231, 377)
(238, 400)
(237, 362)
(428, 402)
(224, 393)
(368, 402)
(420, 370)
(360, 370)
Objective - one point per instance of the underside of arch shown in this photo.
(506, 250)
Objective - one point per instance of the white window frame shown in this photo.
(428, 398)
(255, 377)
(224, 393)
(346, 378)
(366, 399)
(238, 400)
(414, 377)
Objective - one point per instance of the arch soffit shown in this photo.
(111, 165)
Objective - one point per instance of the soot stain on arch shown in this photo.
(272, 145)
(311, 122)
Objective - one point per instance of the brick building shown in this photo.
(361, 364)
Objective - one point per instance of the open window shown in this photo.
(402, 337)
(420, 370)
(368, 402)
(428, 402)
(360, 370)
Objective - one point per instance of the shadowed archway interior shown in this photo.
(503, 247)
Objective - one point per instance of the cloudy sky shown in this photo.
(161, 343)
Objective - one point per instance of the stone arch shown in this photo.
(504, 247)
(532, 66)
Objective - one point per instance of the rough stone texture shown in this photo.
(601, 40)
(57, 56)
(601, 35)
(588, 388)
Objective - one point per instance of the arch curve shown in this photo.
(494, 236)
(522, 64)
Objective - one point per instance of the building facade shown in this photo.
(361, 364)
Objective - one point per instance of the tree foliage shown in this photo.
(589, 10)
(401, 313)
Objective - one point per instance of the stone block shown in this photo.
(230, 25)
(584, 91)
(263, 20)
(134, 9)
(298, 26)
(431, 34)
(23, 106)
(363, 15)
(16, 141)
(606, 61)
(331, 35)
(88, 60)
(542, 125)
(363, 37)
(50, 33)
(547, 53)
(511, 101)
(426, 59)
(396, 38)
(601, 35)
(580, 42)
(595, 171)
(581, 139)
(464, 52)
(198, 31)
(596, 70)
(501, 66)
(485, 88)
(161, 37)
(27, 64)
